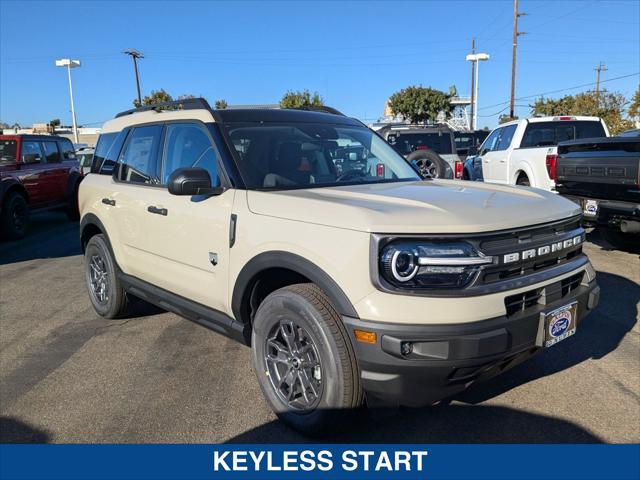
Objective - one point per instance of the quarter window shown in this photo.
(51, 152)
(138, 162)
(68, 152)
(188, 145)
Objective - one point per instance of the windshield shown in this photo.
(305, 155)
(405, 143)
(7, 151)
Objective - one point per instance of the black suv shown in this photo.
(430, 148)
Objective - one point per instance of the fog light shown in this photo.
(406, 348)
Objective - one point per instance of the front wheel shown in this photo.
(304, 360)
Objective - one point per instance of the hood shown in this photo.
(432, 206)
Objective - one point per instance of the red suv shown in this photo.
(36, 172)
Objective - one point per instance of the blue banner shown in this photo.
(495, 462)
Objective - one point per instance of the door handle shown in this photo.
(108, 201)
(157, 211)
(503, 161)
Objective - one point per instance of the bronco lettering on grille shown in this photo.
(540, 251)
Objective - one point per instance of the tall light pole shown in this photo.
(475, 58)
(65, 62)
(135, 55)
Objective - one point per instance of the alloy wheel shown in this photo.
(99, 279)
(294, 367)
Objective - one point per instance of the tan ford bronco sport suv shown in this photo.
(351, 280)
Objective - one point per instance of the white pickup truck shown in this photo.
(524, 152)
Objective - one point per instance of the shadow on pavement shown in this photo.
(597, 237)
(15, 431)
(438, 424)
(598, 335)
(50, 235)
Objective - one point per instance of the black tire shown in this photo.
(428, 163)
(113, 303)
(15, 216)
(72, 211)
(629, 242)
(523, 180)
(338, 383)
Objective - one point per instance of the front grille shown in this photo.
(525, 239)
(520, 302)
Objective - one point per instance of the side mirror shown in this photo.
(192, 181)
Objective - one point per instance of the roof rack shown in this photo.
(185, 104)
(321, 108)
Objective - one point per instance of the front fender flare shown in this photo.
(293, 262)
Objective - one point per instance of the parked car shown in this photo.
(602, 175)
(472, 169)
(366, 284)
(85, 157)
(467, 143)
(430, 148)
(519, 152)
(36, 172)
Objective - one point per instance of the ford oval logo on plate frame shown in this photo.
(559, 324)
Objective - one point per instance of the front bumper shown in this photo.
(446, 359)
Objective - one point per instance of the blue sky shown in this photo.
(355, 54)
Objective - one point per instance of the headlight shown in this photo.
(414, 264)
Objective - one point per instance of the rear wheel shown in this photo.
(304, 360)
(523, 180)
(15, 216)
(106, 293)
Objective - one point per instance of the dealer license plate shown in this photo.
(590, 208)
(559, 324)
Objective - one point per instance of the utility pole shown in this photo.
(472, 124)
(135, 55)
(598, 69)
(516, 34)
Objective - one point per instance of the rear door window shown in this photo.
(31, 152)
(51, 152)
(138, 163)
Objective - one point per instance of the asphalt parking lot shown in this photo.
(68, 376)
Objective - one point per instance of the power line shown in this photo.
(562, 90)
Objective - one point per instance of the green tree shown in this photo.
(156, 96)
(55, 122)
(607, 105)
(504, 118)
(420, 104)
(552, 107)
(221, 104)
(301, 99)
(634, 108)
(186, 96)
